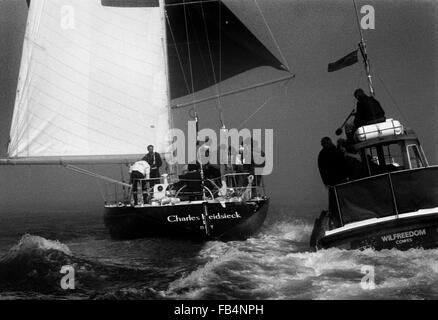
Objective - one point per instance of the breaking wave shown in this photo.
(326, 274)
(275, 264)
(34, 263)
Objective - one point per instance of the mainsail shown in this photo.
(92, 81)
(96, 75)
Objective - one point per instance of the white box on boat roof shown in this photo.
(382, 129)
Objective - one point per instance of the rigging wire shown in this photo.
(220, 40)
(392, 98)
(263, 104)
(95, 175)
(272, 36)
(177, 53)
(219, 106)
(189, 53)
(359, 78)
(99, 187)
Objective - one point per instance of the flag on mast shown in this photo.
(346, 61)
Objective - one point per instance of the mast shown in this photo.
(363, 51)
(166, 61)
(204, 196)
(166, 66)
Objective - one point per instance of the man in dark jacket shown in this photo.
(331, 163)
(368, 110)
(154, 160)
(354, 166)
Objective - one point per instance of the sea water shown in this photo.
(277, 263)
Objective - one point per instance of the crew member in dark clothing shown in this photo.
(355, 168)
(368, 110)
(154, 160)
(331, 163)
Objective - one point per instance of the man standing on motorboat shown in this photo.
(368, 110)
(354, 166)
(331, 163)
(154, 161)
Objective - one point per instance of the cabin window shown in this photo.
(385, 158)
(414, 156)
(393, 155)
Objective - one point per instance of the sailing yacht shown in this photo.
(96, 85)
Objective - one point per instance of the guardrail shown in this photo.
(384, 195)
(236, 185)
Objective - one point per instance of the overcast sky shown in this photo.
(402, 48)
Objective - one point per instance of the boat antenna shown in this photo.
(363, 51)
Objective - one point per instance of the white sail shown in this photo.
(92, 81)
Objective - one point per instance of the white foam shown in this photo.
(30, 242)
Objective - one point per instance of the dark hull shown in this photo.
(419, 231)
(232, 221)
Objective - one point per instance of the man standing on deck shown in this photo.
(138, 171)
(154, 161)
(331, 163)
(368, 110)
(354, 166)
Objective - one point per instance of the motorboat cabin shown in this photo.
(393, 205)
